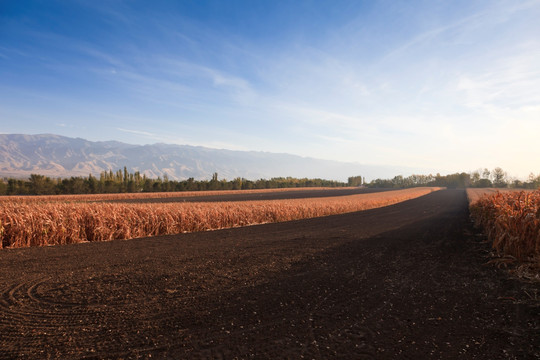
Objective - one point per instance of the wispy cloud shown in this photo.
(419, 83)
(507, 82)
(138, 132)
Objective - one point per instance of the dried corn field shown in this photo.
(42, 223)
(149, 195)
(511, 220)
(475, 194)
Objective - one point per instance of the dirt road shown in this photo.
(405, 281)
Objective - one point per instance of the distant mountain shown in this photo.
(59, 156)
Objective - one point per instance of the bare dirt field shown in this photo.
(402, 281)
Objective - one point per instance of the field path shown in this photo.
(404, 281)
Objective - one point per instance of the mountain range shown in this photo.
(60, 156)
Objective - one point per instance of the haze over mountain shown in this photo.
(59, 156)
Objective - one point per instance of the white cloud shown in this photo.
(138, 132)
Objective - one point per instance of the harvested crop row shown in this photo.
(475, 194)
(150, 195)
(40, 224)
(511, 221)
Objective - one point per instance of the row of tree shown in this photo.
(480, 178)
(126, 182)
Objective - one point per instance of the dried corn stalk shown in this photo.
(34, 223)
(511, 221)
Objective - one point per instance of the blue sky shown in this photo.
(449, 85)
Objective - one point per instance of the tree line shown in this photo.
(479, 178)
(123, 181)
(126, 182)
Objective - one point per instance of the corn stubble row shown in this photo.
(135, 196)
(511, 221)
(52, 223)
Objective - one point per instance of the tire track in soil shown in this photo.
(400, 281)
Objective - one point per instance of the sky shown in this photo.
(449, 85)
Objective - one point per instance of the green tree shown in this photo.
(475, 177)
(354, 181)
(3, 187)
(237, 184)
(484, 183)
(93, 184)
(214, 183)
(499, 177)
(41, 185)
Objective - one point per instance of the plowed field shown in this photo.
(403, 281)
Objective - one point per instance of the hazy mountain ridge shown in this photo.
(59, 156)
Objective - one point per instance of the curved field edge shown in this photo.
(149, 195)
(53, 223)
(511, 221)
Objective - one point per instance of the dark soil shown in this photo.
(247, 196)
(405, 281)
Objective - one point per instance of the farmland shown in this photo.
(401, 281)
(40, 221)
(152, 195)
(511, 220)
(475, 194)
